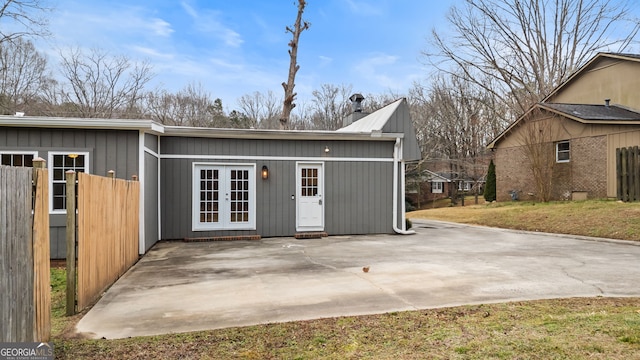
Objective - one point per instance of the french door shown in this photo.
(224, 197)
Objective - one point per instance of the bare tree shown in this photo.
(100, 85)
(191, 106)
(526, 48)
(536, 140)
(330, 105)
(289, 95)
(23, 74)
(23, 18)
(262, 110)
(453, 125)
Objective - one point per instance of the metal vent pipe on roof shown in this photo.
(606, 102)
(356, 102)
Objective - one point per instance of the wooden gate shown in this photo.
(628, 173)
(107, 234)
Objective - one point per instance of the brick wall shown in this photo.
(512, 173)
(585, 172)
(589, 166)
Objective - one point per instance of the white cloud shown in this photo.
(206, 22)
(160, 27)
(378, 69)
(324, 60)
(147, 51)
(365, 8)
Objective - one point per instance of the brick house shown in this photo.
(575, 131)
(427, 187)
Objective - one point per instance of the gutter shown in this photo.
(397, 150)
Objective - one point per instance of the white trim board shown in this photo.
(280, 158)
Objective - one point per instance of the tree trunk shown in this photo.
(289, 95)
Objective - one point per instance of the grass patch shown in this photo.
(598, 328)
(598, 218)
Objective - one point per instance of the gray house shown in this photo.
(202, 183)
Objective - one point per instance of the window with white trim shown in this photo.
(563, 151)
(17, 158)
(436, 187)
(59, 164)
(224, 197)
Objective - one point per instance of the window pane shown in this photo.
(57, 160)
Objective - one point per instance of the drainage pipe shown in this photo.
(397, 162)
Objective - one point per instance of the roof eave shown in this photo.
(277, 134)
(81, 123)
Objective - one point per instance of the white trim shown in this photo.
(141, 178)
(276, 158)
(87, 170)
(81, 123)
(19, 152)
(564, 151)
(151, 152)
(196, 225)
(159, 197)
(440, 188)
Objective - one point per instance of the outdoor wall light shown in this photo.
(326, 149)
(265, 172)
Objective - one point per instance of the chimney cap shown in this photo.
(356, 97)
(606, 102)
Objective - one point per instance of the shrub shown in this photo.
(490, 185)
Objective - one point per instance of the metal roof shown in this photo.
(373, 122)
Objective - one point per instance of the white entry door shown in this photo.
(310, 202)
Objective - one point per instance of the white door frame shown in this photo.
(315, 203)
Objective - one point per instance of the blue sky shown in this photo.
(234, 48)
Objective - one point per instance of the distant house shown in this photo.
(586, 118)
(217, 183)
(426, 187)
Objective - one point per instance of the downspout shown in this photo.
(397, 151)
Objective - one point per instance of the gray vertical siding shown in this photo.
(358, 197)
(108, 150)
(358, 194)
(151, 167)
(151, 142)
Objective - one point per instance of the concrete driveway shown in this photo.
(179, 287)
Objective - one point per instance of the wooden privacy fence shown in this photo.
(25, 306)
(107, 233)
(628, 173)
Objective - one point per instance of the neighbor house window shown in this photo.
(436, 187)
(224, 197)
(17, 158)
(59, 164)
(563, 151)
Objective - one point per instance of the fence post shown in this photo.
(134, 177)
(41, 253)
(70, 177)
(111, 174)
